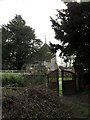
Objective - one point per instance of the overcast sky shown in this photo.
(36, 13)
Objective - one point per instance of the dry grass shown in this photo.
(39, 104)
(34, 103)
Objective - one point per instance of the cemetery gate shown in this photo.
(53, 81)
(68, 82)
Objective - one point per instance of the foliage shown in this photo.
(20, 80)
(13, 80)
(72, 29)
(35, 80)
(19, 44)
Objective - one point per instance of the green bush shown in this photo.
(13, 80)
(35, 79)
(20, 80)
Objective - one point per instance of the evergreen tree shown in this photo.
(72, 29)
(19, 44)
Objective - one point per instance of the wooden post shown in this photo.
(62, 72)
(58, 82)
(77, 83)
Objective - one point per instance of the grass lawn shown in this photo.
(65, 78)
(60, 89)
(60, 85)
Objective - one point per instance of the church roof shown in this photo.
(46, 47)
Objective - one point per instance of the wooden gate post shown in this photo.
(53, 81)
(58, 81)
(62, 74)
(68, 82)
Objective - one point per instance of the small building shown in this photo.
(35, 69)
(45, 63)
(51, 65)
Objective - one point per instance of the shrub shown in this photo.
(21, 80)
(13, 80)
(35, 80)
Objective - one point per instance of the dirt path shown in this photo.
(80, 104)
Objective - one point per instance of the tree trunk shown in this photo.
(19, 66)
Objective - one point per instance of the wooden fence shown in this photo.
(68, 82)
(53, 81)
